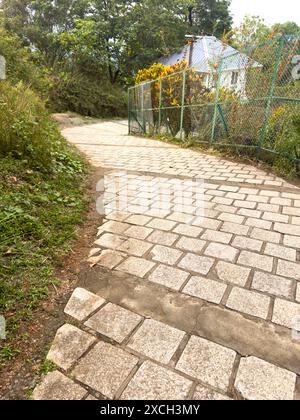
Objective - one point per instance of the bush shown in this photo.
(283, 136)
(27, 132)
(20, 65)
(87, 96)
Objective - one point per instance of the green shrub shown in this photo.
(20, 65)
(27, 131)
(283, 136)
(87, 96)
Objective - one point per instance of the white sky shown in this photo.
(273, 11)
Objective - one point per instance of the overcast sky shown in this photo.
(273, 11)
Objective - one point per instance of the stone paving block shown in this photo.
(275, 217)
(181, 217)
(165, 254)
(235, 228)
(207, 223)
(296, 221)
(118, 216)
(205, 289)
(114, 322)
(292, 196)
(250, 303)
(202, 393)
(281, 252)
(245, 204)
(288, 269)
(110, 241)
(271, 208)
(135, 247)
(287, 229)
(191, 244)
(161, 224)
(82, 303)
(209, 214)
(265, 235)
(108, 259)
(158, 213)
(163, 238)
(225, 209)
(269, 193)
(169, 277)
(223, 200)
(136, 266)
(258, 198)
(115, 227)
(229, 188)
(138, 232)
(247, 243)
(231, 273)
(233, 218)
(196, 263)
(56, 387)
(105, 368)
(274, 285)
(281, 201)
(250, 213)
(236, 196)
(293, 241)
(259, 380)
(216, 236)
(156, 340)
(248, 191)
(298, 293)
(292, 211)
(286, 314)
(216, 193)
(188, 230)
(254, 260)
(224, 252)
(208, 362)
(258, 223)
(153, 382)
(68, 346)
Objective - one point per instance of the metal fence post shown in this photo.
(143, 110)
(271, 94)
(160, 107)
(182, 103)
(129, 111)
(214, 122)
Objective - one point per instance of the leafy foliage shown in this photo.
(20, 65)
(210, 17)
(26, 130)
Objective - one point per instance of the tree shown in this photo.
(287, 28)
(252, 31)
(211, 17)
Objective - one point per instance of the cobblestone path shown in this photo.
(193, 284)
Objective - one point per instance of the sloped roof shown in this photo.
(209, 50)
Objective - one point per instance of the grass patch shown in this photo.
(39, 211)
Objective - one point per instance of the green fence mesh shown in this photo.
(248, 100)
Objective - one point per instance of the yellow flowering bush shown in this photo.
(170, 79)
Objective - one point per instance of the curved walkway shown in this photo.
(193, 287)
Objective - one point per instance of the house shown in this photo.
(206, 53)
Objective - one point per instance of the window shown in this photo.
(234, 77)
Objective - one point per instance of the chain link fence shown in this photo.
(246, 100)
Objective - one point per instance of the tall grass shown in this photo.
(26, 130)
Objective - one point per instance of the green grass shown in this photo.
(38, 215)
